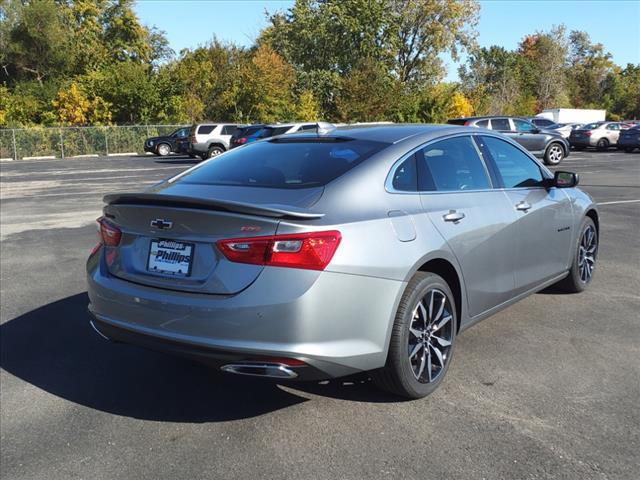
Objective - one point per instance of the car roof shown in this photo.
(393, 133)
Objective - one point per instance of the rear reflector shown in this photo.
(311, 251)
(109, 234)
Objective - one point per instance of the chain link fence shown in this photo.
(65, 142)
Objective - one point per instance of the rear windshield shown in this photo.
(267, 132)
(295, 163)
(246, 131)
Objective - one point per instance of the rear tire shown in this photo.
(214, 151)
(602, 144)
(422, 339)
(554, 154)
(584, 259)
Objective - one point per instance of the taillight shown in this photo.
(588, 134)
(192, 139)
(311, 251)
(241, 140)
(109, 234)
(467, 123)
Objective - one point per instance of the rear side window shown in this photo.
(280, 131)
(229, 129)
(613, 126)
(516, 169)
(284, 164)
(483, 124)
(308, 127)
(500, 124)
(205, 129)
(451, 165)
(405, 177)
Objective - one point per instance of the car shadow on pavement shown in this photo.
(54, 348)
(184, 161)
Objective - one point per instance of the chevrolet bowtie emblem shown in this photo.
(161, 224)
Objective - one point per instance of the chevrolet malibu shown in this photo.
(315, 256)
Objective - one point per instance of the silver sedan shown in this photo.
(314, 256)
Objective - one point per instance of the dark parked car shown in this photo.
(629, 139)
(242, 134)
(541, 122)
(166, 144)
(546, 144)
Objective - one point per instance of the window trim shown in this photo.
(388, 184)
(546, 173)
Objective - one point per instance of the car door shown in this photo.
(612, 133)
(528, 136)
(542, 233)
(475, 219)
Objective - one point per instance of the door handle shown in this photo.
(523, 206)
(453, 216)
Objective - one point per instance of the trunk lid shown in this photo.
(176, 227)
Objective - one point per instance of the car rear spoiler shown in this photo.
(267, 210)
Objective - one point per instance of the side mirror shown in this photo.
(535, 130)
(565, 179)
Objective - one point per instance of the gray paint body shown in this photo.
(339, 320)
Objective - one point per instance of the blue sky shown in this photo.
(616, 24)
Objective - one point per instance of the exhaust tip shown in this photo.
(270, 370)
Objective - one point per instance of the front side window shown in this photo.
(523, 126)
(229, 129)
(451, 165)
(514, 166)
(283, 163)
(500, 124)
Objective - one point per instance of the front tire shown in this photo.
(422, 339)
(163, 150)
(584, 259)
(554, 154)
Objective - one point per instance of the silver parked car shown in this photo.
(601, 135)
(546, 144)
(314, 256)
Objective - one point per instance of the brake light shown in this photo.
(310, 251)
(467, 123)
(110, 235)
(241, 140)
(588, 134)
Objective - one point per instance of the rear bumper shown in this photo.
(337, 324)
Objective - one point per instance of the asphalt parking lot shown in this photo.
(548, 388)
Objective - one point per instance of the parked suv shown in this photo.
(601, 135)
(546, 144)
(211, 139)
(166, 144)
